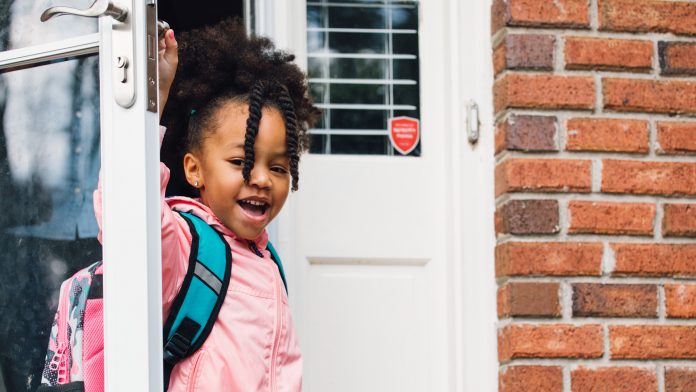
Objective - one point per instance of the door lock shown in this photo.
(122, 67)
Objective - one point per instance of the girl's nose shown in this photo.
(260, 177)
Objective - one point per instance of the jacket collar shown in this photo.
(194, 206)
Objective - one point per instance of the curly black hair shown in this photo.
(221, 64)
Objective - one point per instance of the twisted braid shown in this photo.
(256, 100)
(291, 132)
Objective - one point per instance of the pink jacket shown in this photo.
(252, 346)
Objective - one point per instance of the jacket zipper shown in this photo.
(276, 342)
(279, 314)
(255, 249)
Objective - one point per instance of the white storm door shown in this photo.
(367, 235)
(130, 169)
(132, 226)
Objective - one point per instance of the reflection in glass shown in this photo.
(404, 18)
(20, 25)
(359, 145)
(316, 67)
(363, 43)
(405, 43)
(318, 92)
(357, 17)
(358, 93)
(315, 17)
(358, 68)
(358, 119)
(407, 94)
(315, 41)
(406, 69)
(49, 162)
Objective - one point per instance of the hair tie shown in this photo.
(193, 111)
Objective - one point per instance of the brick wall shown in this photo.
(595, 186)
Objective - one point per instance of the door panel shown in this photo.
(365, 315)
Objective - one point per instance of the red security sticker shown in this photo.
(404, 133)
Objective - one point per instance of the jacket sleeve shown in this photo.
(176, 238)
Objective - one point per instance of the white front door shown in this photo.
(61, 90)
(370, 231)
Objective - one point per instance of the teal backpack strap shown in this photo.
(276, 260)
(196, 306)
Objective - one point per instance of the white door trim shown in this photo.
(472, 199)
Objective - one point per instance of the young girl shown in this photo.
(246, 112)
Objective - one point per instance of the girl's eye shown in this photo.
(237, 162)
(279, 169)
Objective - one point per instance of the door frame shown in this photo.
(471, 235)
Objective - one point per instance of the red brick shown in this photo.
(531, 378)
(650, 96)
(649, 178)
(529, 217)
(676, 137)
(614, 378)
(587, 217)
(652, 341)
(607, 135)
(670, 260)
(608, 54)
(677, 58)
(614, 300)
(528, 299)
(679, 220)
(543, 175)
(548, 259)
(680, 379)
(527, 91)
(680, 300)
(527, 133)
(648, 16)
(540, 13)
(499, 61)
(528, 51)
(550, 341)
(499, 15)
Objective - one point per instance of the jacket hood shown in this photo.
(194, 206)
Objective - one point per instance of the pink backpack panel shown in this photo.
(75, 358)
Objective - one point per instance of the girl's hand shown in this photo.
(168, 59)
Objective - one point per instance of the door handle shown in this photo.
(97, 9)
(123, 42)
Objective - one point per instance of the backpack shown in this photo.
(75, 357)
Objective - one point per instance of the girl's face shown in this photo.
(245, 209)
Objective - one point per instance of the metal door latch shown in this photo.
(472, 122)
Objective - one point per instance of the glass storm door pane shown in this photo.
(49, 163)
(20, 26)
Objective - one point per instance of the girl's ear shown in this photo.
(192, 169)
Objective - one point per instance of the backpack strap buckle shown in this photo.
(179, 344)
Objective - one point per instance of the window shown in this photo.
(363, 71)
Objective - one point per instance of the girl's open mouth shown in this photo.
(254, 208)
